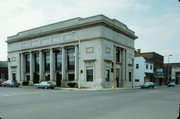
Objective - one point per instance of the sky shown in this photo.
(155, 22)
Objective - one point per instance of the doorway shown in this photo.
(14, 76)
(117, 77)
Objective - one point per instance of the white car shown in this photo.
(148, 85)
(45, 84)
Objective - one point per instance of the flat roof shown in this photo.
(73, 24)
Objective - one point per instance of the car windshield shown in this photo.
(43, 83)
(8, 81)
(49, 82)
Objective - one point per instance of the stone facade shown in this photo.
(87, 47)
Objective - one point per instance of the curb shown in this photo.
(66, 89)
(88, 89)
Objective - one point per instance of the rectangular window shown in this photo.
(27, 61)
(151, 66)
(107, 75)
(89, 74)
(136, 80)
(130, 76)
(27, 78)
(137, 66)
(58, 61)
(70, 59)
(118, 55)
(146, 66)
(36, 62)
(70, 77)
(47, 61)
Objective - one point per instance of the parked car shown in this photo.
(148, 85)
(45, 84)
(10, 83)
(171, 84)
(1, 81)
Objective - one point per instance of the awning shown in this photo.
(149, 75)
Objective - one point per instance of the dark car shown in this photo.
(10, 83)
(45, 84)
(148, 85)
(171, 84)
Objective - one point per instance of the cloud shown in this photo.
(160, 34)
(151, 27)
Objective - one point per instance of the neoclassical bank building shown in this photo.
(95, 52)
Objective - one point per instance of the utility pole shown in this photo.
(169, 68)
(179, 108)
(113, 71)
(179, 112)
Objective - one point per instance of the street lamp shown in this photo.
(168, 66)
(79, 43)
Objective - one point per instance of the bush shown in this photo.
(72, 84)
(25, 83)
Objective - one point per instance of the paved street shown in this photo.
(29, 103)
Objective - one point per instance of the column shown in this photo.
(51, 65)
(31, 68)
(19, 68)
(63, 64)
(76, 63)
(22, 67)
(126, 67)
(40, 66)
(123, 68)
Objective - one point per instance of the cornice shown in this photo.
(72, 25)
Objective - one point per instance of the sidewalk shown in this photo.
(86, 89)
(95, 89)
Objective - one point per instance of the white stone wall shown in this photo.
(139, 73)
(96, 50)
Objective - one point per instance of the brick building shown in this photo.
(158, 63)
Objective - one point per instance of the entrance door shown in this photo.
(117, 77)
(58, 79)
(14, 76)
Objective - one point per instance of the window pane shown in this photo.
(130, 76)
(27, 61)
(107, 74)
(36, 59)
(58, 58)
(89, 73)
(70, 59)
(47, 61)
(117, 55)
(137, 66)
(70, 77)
